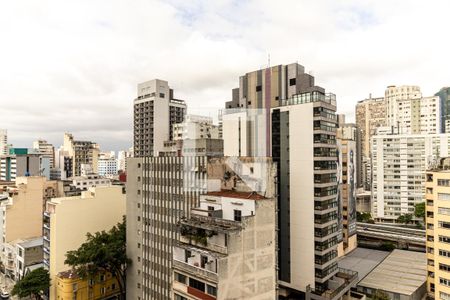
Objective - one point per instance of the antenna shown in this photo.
(268, 60)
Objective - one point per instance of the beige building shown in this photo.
(67, 220)
(21, 215)
(437, 199)
(82, 152)
(227, 248)
(46, 150)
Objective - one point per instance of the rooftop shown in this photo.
(68, 274)
(236, 194)
(362, 260)
(402, 272)
(34, 242)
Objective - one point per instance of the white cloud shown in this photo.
(73, 65)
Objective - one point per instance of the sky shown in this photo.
(73, 66)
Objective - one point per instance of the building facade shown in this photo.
(444, 97)
(437, 219)
(97, 209)
(81, 152)
(195, 127)
(45, 149)
(155, 112)
(227, 248)
(3, 142)
(399, 165)
(279, 112)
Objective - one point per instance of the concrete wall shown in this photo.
(71, 218)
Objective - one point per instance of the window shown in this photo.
(258, 88)
(210, 208)
(444, 239)
(444, 281)
(178, 297)
(203, 261)
(237, 215)
(198, 285)
(443, 196)
(113, 286)
(444, 296)
(180, 277)
(444, 267)
(292, 81)
(161, 95)
(444, 211)
(444, 253)
(103, 290)
(187, 255)
(212, 290)
(445, 225)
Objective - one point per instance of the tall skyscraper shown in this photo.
(162, 186)
(399, 166)
(279, 112)
(3, 142)
(155, 111)
(45, 149)
(444, 97)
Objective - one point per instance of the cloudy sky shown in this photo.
(73, 65)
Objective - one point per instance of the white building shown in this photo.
(84, 182)
(195, 127)
(122, 159)
(155, 111)
(3, 142)
(399, 165)
(107, 165)
(410, 113)
(63, 165)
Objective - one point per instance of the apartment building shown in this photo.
(437, 219)
(399, 165)
(45, 149)
(19, 162)
(67, 220)
(347, 141)
(71, 286)
(3, 142)
(195, 127)
(278, 112)
(29, 253)
(155, 112)
(63, 169)
(227, 248)
(81, 152)
(444, 97)
(107, 165)
(21, 215)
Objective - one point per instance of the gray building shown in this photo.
(279, 112)
(444, 97)
(155, 111)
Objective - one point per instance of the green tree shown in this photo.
(102, 251)
(419, 210)
(364, 217)
(405, 219)
(387, 246)
(380, 295)
(34, 284)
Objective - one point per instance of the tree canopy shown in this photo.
(35, 283)
(102, 251)
(419, 210)
(405, 219)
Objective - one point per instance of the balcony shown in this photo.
(337, 286)
(195, 271)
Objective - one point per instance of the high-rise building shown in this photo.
(155, 111)
(45, 149)
(164, 180)
(195, 127)
(347, 137)
(437, 219)
(3, 142)
(21, 163)
(399, 165)
(100, 208)
(278, 112)
(63, 165)
(370, 114)
(229, 230)
(444, 96)
(81, 152)
(407, 112)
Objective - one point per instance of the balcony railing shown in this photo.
(350, 278)
(195, 271)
